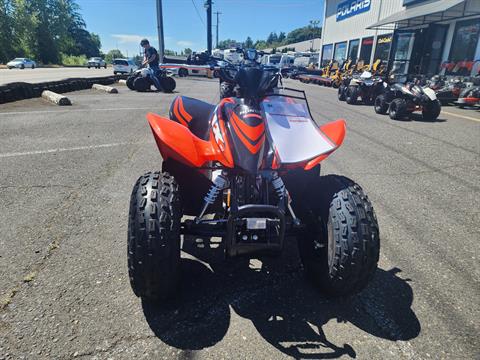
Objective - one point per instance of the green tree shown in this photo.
(272, 38)
(248, 44)
(260, 45)
(113, 54)
(6, 31)
(226, 44)
(187, 51)
(302, 34)
(44, 29)
(281, 37)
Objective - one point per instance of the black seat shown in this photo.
(193, 113)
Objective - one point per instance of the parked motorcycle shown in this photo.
(252, 162)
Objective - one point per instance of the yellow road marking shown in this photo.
(461, 116)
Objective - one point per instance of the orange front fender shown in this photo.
(176, 141)
(335, 133)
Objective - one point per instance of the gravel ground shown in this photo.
(65, 181)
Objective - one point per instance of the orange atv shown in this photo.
(252, 163)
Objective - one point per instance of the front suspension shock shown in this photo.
(220, 183)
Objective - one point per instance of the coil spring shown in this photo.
(219, 184)
(278, 186)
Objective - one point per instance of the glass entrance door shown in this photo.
(401, 52)
(432, 57)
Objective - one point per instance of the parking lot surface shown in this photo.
(49, 74)
(65, 180)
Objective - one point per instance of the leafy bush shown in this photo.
(73, 60)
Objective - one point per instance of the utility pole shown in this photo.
(217, 13)
(208, 6)
(314, 24)
(161, 43)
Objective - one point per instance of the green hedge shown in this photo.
(73, 60)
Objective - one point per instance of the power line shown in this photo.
(198, 13)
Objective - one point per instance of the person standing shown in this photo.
(151, 59)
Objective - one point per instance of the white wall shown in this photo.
(355, 26)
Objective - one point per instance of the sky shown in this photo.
(123, 23)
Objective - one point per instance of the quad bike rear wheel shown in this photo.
(168, 84)
(340, 248)
(397, 109)
(352, 95)
(154, 236)
(432, 110)
(141, 84)
(381, 106)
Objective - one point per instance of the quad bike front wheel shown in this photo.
(168, 84)
(381, 106)
(397, 109)
(432, 110)
(341, 92)
(340, 248)
(352, 95)
(130, 81)
(154, 236)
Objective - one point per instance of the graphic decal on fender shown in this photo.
(217, 133)
(252, 137)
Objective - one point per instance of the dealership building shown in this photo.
(412, 36)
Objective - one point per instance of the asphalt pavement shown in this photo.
(66, 174)
(49, 74)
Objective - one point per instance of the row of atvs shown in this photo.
(399, 100)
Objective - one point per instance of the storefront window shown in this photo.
(353, 49)
(340, 52)
(402, 52)
(327, 52)
(464, 44)
(366, 50)
(382, 49)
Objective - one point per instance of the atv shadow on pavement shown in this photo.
(419, 118)
(286, 310)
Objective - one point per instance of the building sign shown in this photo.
(351, 8)
(367, 41)
(385, 39)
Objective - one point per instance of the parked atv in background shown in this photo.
(252, 162)
(229, 86)
(400, 100)
(143, 79)
(366, 87)
(468, 97)
(448, 91)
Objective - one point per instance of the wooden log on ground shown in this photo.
(56, 98)
(107, 89)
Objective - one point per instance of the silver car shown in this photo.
(21, 63)
(96, 62)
